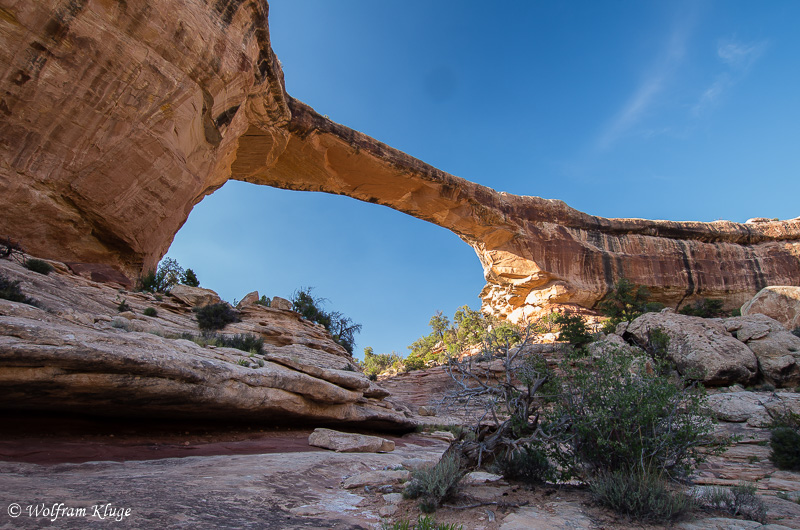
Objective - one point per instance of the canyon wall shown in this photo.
(119, 117)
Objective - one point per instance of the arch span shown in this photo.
(117, 121)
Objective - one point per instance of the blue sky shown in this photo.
(662, 110)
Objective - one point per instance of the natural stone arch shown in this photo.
(118, 120)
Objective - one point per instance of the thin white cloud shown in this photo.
(738, 58)
(652, 84)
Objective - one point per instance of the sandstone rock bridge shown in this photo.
(118, 117)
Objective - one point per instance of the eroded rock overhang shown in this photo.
(119, 119)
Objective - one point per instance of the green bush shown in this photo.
(529, 465)
(572, 329)
(641, 495)
(446, 340)
(423, 523)
(435, 484)
(626, 302)
(168, 274)
(263, 301)
(739, 500)
(342, 329)
(376, 363)
(123, 306)
(215, 316)
(150, 312)
(617, 413)
(657, 344)
(9, 290)
(785, 445)
(38, 265)
(246, 342)
(706, 308)
(190, 278)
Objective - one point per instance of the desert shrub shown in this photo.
(9, 248)
(626, 302)
(121, 323)
(243, 362)
(38, 265)
(9, 290)
(190, 278)
(376, 363)
(572, 329)
(785, 442)
(528, 464)
(705, 307)
(248, 342)
(435, 484)
(342, 328)
(738, 500)
(123, 306)
(657, 345)
(263, 301)
(618, 413)
(215, 316)
(785, 496)
(150, 312)
(423, 523)
(641, 495)
(446, 340)
(161, 280)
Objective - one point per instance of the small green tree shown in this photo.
(470, 328)
(342, 328)
(626, 302)
(168, 274)
(573, 331)
(785, 441)
(190, 278)
(374, 364)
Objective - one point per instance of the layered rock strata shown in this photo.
(77, 354)
(119, 117)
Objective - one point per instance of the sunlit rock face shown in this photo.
(118, 118)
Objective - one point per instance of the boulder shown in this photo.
(777, 350)
(700, 348)
(781, 302)
(602, 347)
(195, 296)
(740, 407)
(345, 442)
(280, 303)
(249, 299)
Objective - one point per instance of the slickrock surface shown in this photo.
(76, 353)
(117, 118)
